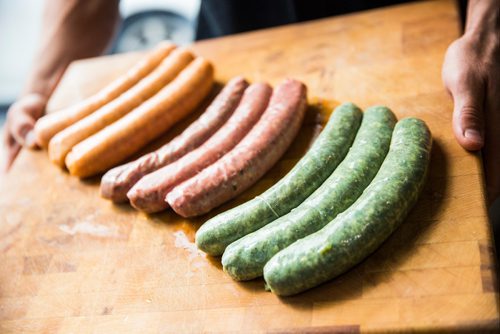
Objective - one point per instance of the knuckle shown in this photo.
(456, 76)
(465, 73)
(471, 115)
(469, 111)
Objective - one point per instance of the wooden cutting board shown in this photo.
(73, 262)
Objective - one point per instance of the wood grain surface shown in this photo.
(72, 262)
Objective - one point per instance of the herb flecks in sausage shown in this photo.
(358, 231)
(245, 258)
(309, 173)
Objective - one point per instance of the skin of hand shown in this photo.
(471, 73)
(19, 125)
(71, 29)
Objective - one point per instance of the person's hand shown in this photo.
(18, 130)
(471, 73)
(92, 24)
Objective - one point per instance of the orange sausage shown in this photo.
(61, 143)
(126, 136)
(50, 124)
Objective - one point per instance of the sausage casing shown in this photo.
(307, 175)
(362, 228)
(257, 152)
(117, 182)
(116, 142)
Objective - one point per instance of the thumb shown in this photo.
(21, 126)
(30, 140)
(468, 114)
(22, 116)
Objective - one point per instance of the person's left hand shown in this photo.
(18, 130)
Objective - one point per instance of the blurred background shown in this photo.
(144, 23)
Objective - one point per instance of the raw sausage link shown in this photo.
(245, 258)
(148, 194)
(308, 174)
(61, 143)
(258, 151)
(359, 230)
(117, 182)
(52, 123)
(130, 133)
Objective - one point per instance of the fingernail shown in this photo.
(30, 140)
(474, 135)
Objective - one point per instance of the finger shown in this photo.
(468, 111)
(23, 114)
(30, 140)
(33, 104)
(491, 152)
(20, 125)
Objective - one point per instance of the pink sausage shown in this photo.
(148, 194)
(117, 182)
(250, 159)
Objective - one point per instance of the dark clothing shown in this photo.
(224, 17)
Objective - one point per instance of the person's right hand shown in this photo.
(471, 73)
(89, 22)
(18, 130)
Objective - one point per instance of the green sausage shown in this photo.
(245, 258)
(308, 174)
(359, 230)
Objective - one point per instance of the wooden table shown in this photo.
(72, 262)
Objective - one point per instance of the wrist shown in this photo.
(44, 79)
(483, 18)
(482, 32)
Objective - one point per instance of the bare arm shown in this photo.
(471, 73)
(72, 29)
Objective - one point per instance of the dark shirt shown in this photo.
(224, 17)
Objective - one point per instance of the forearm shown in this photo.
(72, 29)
